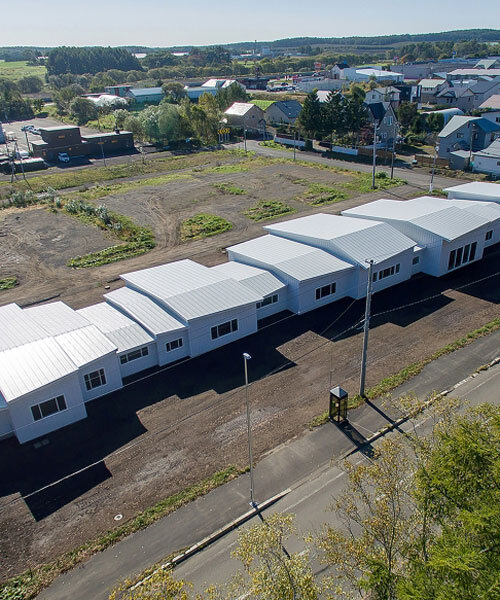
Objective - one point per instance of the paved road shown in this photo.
(309, 499)
(417, 177)
(304, 459)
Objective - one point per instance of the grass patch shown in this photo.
(238, 168)
(28, 585)
(16, 70)
(275, 145)
(393, 381)
(6, 283)
(267, 209)
(92, 175)
(229, 188)
(203, 225)
(319, 194)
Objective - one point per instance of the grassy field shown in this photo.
(203, 225)
(19, 69)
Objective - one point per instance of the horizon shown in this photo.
(151, 22)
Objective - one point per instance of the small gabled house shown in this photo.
(245, 114)
(384, 115)
(383, 94)
(430, 88)
(283, 112)
(457, 95)
(461, 132)
(490, 109)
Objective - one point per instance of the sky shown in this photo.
(202, 22)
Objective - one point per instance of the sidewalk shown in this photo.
(284, 467)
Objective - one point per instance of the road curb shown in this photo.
(398, 422)
(213, 537)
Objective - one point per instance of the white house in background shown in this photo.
(355, 241)
(490, 109)
(430, 88)
(245, 114)
(487, 210)
(136, 348)
(487, 160)
(447, 237)
(52, 361)
(476, 190)
(371, 73)
(217, 309)
(314, 277)
(169, 333)
(272, 289)
(383, 94)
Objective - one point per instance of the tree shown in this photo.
(169, 122)
(174, 90)
(83, 110)
(133, 124)
(65, 96)
(38, 105)
(335, 118)
(30, 84)
(310, 117)
(435, 122)
(270, 573)
(120, 115)
(407, 113)
(227, 96)
(160, 585)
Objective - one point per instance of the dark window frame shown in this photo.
(49, 407)
(95, 379)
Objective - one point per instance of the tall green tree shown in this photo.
(310, 119)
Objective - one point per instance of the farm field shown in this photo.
(235, 194)
(18, 69)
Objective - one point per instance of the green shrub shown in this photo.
(8, 282)
(229, 188)
(267, 209)
(203, 225)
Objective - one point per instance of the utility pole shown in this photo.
(294, 144)
(431, 184)
(102, 150)
(393, 153)
(245, 138)
(246, 358)
(366, 327)
(374, 153)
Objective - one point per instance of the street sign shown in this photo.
(224, 131)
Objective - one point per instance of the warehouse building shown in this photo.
(448, 238)
(216, 309)
(476, 190)
(52, 361)
(488, 210)
(136, 348)
(355, 241)
(313, 277)
(272, 289)
(170, 335)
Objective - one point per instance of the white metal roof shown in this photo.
(355, 239)
(191, 290)
(260, 281)
(300, 261)
(476, 190)
(432, 214)
(488, 210)
(85, 345)
(239, 109)
(17, 328)
(56, 318)
(125, 333)
(144, 311)
(29, 367)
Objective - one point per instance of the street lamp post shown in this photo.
(246, 358)
(431, 184)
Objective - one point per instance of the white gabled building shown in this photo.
(136, 348)
(487, 210)
(447, 237)
(170, 335)
(216, 309)
(355, 241)
(314, 277)
(476, 190)
(264, 283)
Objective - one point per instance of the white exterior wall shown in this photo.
(492, 115)
(139, 364)
(306, 292)
(476, 236)
(486, 164)
(111, 366)
(6, 427)
(200, 338)
(495, 238)
(272, 309)
(164, 357)
(27, 429)
(404, 259)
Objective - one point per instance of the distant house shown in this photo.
(488, 159)
(117, 90)
(142, 95)
(282, 112)
(383, 94)
(472, 73)
(338, 69)
(212, 86)
(370, 73)
(490, 109)
(387, 123)
(430, 88)
(488, 63)
(461, 132)
(245, 114)
(458, 96)
(483, 90)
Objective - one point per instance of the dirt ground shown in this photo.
(144, 442)
(37, 243)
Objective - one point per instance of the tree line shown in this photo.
(75, 60)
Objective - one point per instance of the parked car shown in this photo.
(63, 157)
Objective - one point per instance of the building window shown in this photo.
(326, 290)
(224, 329)
(50, 407)
(461, 256)
(95, 379)
(267, 301)
(489, 235)
(386, 272)
(416, 260)
(460, 135)
(173, 345)
(134, 355)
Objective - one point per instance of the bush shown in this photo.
(267, 209)
(203, 225)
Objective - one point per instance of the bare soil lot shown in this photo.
(161, 434)
(38, 243)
